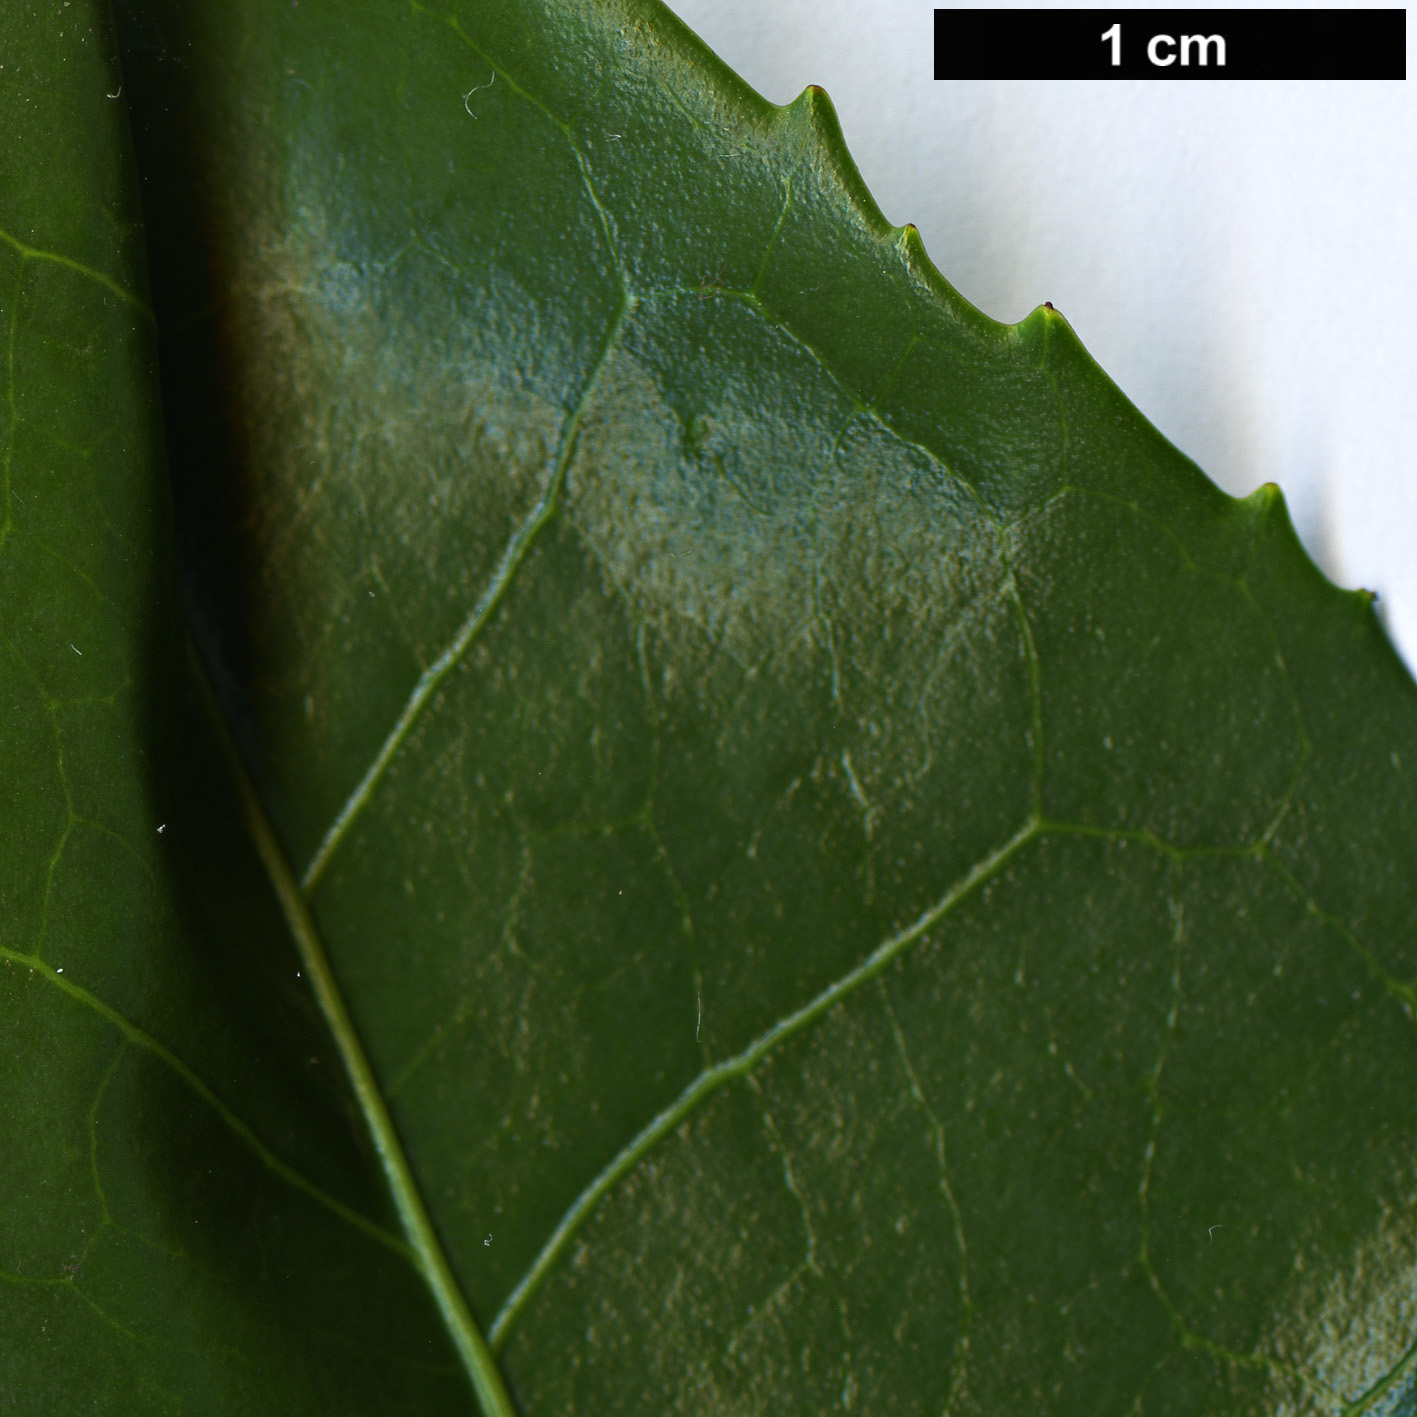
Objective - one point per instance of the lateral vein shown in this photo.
(34, 253)
(481, 613)
(740, 1065)
(140, 1038)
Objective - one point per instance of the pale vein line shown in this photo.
(607, 224)
(6, 465)
(144, 1040)
(1035, 679)
(772, 241)
(1366, 1401)
(937, 1127)
(740, 1065)
(33, 253)
(1404, 993)
(428, 682)
(424, 1245)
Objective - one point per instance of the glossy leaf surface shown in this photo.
(865, 883)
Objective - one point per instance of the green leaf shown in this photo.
(837, 871)
(189, 1220)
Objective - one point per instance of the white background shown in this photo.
(1240, 256)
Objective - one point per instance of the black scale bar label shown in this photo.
(1170, 44)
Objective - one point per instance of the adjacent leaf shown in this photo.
(187, 1222)
(861, 880)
